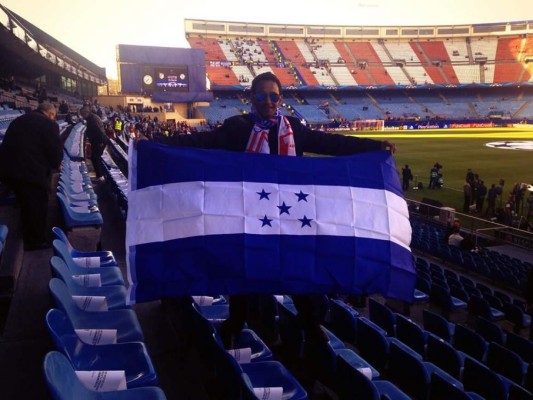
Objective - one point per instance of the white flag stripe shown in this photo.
(205, 208)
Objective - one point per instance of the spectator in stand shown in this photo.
(455, 238)
(98, 139)
(63, 107)
(30, 151)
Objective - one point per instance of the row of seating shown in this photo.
(477, 358)
(94, 331)
(76, 196)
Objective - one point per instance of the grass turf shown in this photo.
(457, 150)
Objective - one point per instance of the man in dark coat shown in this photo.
(30, 151)
(98, 139)
(265, 130)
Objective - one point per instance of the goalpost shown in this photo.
(369, 125)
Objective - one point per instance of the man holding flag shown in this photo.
(265, 130)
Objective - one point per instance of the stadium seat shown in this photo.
(382, 315)
(237, 379)
(516, 315)
(343, 321)
(131, 357)
(479, 378)
(412, 375)
(115, 295)
(108, 275)
(438, 325)
(507, 363)
(353, 384)
(520, 345)
(124, 321)
(64, 384)
(410, 333)
(470, 342)
(481, 307)
(490, 331)
(106, 257)
(441, 389)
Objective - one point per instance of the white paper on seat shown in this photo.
(91, 303)
(87, 262)
(88, 280)
(103, 381)
(366, 372)
(243, 356)
(279, 298)
(97, 337)
(268, 393)
(203, 300)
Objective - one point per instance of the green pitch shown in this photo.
(457, 150)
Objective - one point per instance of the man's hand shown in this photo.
(388, 146)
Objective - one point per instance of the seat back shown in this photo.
(470, 342)
(382, 315)
(62, 332)
(62, 236)
(437, 325)
(490, 331)
(480, 379)
(343, 321)
(443, 355)
(62, 380)
(506, 362)
(353, 384)
(63, 299)
(408, 372)
(520, 345)
(372, 343)
(441, 389)
(411, 334)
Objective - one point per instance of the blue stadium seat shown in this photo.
(490, 331)
(108, 275)
(124, 321)
(106, 257)
(131, 357)
(438, 325)
(470, 342)
(412, 375)
(63, 384)
(353, 384)
(116, 295)
(411, 334)
(343, 321)
(237, 379)
(507, 363)
(382, 315)
(479, 378)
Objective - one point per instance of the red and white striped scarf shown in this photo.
(258, 141)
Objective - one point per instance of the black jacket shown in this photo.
(233, 135)
(30, 150)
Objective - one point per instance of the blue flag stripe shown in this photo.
(272, 264)
(164, 164)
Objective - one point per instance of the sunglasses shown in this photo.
(261, 96)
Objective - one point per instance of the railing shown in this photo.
(484, 231)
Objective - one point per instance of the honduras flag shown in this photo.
(209, 222)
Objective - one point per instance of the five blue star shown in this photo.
(302, 196)
(284, 209)
(265, 221)
(305, 221)
(263, 195)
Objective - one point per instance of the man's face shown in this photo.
(267, 99)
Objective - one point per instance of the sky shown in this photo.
(93, 29)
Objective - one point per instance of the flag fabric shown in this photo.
(210, 222)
